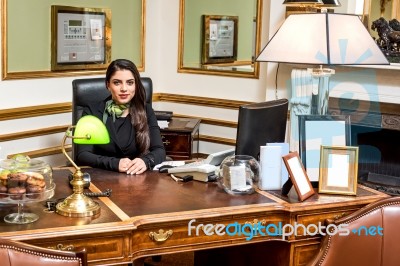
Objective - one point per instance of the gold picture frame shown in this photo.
(80, 38)
(298, 176)
(219, 39)
(338, 170)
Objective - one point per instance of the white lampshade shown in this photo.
(323, 39)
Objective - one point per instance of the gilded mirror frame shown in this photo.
(219, 70)
(10, 75)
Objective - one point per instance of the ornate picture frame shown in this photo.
(338, 170)
(219, 39)
(80, 38)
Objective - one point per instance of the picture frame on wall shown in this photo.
(317, 130)
(80, 38)
(338, 170)
(219, 39)
(298, 176)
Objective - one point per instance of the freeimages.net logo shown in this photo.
(279, 230)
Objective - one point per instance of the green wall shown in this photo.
(29, 31)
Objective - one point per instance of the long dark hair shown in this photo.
(137, 108)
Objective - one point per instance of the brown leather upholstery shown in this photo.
(14, 253)
(365, 250)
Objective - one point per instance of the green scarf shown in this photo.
(114, 110)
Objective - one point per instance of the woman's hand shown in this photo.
(132, 167)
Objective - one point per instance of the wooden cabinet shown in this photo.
(181, 138)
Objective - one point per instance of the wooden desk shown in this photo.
(181, 138)
(142, 207)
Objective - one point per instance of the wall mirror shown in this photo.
(26, 35)
(248, 36)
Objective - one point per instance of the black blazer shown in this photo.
(122, 142)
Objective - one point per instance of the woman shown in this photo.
(135, 140)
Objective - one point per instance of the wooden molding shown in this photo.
(196, 100)
(33, 133)
(34, 111)
(43, 152)
(49, 74)
(218, 140)
(210, 121)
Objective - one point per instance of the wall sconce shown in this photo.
(88, 130)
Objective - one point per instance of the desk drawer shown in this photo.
(177, 145)
(104, 249)
(174, 237)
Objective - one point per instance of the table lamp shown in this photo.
(88, 130)
(322, 39)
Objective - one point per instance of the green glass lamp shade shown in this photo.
(90, 130)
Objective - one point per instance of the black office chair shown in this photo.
(86, 91)
(259, 124)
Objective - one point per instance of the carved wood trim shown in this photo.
(33, 133)
(365, 113)
(360, 105)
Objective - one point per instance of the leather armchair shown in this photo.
(357, 248)
(85, 91)
(14, 253)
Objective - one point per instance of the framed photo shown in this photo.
(338, 170)
(219, 39)
(317, 130)
(80, 38)
(298, 176)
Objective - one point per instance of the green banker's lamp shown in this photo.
(88, 130)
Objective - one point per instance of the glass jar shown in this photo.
(239, 174)
(24, 180)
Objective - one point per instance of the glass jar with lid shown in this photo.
(24, 180)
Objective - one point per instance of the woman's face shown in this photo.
(122, 86)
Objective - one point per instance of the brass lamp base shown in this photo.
(78, 205)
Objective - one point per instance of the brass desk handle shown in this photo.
(255, 221)
(161, 236)
(165, 142)
(339, 216)
(61, 247)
